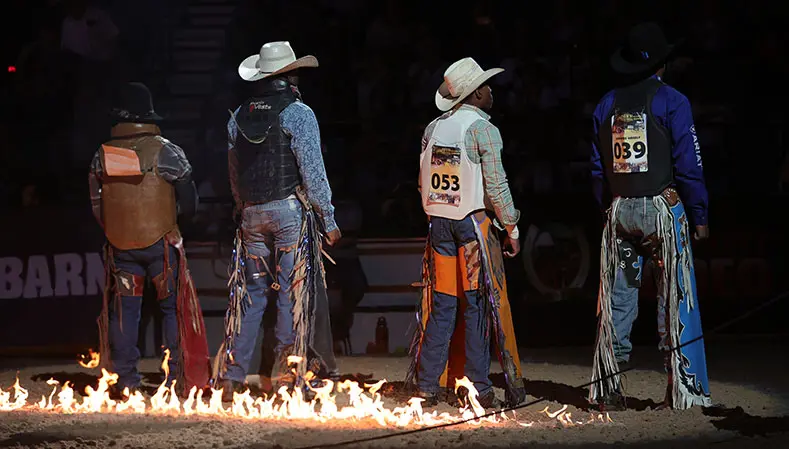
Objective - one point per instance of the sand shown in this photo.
(749, 386)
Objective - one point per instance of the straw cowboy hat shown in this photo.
(460, 80)
(645, 49)
(274, 58)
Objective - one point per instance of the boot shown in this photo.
(116, 392)
(612, 402)
(281, 373)
(489, 400)
(616, 400)
(229, 387)
(429, 399)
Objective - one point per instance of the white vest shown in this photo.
(452, 185)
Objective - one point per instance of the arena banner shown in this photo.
(51, 276)
(51, 279)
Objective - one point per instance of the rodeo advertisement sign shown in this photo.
(52, 275)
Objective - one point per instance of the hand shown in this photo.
(702, 232)
(511, 247)
(333, 237)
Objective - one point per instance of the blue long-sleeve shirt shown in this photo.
(672, 110)
(299, 122)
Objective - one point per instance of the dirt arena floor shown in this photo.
(750, 385)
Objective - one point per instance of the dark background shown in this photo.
(373, 94)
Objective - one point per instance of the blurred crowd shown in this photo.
(380, 64)
(69, 57)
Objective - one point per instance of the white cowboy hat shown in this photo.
(274, 58)
(460, 80)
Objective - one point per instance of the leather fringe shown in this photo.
(238, 301)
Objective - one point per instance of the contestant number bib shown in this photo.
(445, 179)
(629, 141)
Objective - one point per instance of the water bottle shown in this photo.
(382, 336)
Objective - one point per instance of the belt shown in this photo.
(670, 194)
(246, 204)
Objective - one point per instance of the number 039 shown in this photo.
(445, 182)
(624, 151)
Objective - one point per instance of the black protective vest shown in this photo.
(634, 166)
(267, 168)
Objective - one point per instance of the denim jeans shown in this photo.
(446, 237)
(124, 323)
(271, 232)
(636, 220)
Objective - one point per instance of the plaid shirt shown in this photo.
(484, 145)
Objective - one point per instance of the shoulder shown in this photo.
(297, 111)
(169, 149)
(297, 117)
(482, 125)
(605, 104)
(167, 144)
(173, 164)
(432, 125)
(298, 120)
(608, 97)
(673, 96)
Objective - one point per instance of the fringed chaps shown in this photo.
(685, 358)
(311, 322)
(313, 343)
(237, 305)
(499, 319)
(194, 364)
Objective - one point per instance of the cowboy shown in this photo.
(461, 178)
(282, 195)
(646, 151)
(138, 183)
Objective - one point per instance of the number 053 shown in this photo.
(445, 182)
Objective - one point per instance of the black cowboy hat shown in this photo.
(133, 103)
(646, 48)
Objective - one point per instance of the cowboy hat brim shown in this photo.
(126, 116)
(445, 103)
(621, 65)
(248, 70)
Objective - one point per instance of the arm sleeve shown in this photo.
(302, 125)
(497, 190)
(686, 155)
(175, 168)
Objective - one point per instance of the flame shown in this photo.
(565, 418)
(20, 398)
(364, 403)
(93, 359)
